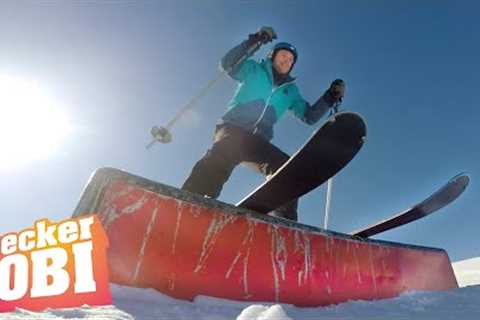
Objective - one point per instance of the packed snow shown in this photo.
(467, 272)
(148, 304)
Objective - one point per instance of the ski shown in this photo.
(439, 199)
(327, 151)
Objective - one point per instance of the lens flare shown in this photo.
(32, 124)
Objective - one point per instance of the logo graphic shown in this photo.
(54, 265)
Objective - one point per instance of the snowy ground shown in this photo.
(467, 272)
(146, 304)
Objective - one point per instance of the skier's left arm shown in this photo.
(310, 114)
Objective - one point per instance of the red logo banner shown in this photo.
(55, 265)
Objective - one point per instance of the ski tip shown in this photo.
(461, 178)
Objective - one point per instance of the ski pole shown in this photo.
(328, 202)
(162, 134)
(330, 181)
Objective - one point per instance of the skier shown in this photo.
(264, 93)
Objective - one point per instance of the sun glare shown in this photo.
(32, 125)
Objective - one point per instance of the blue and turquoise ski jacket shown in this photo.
(258, 103)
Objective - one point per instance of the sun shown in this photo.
(33, 125)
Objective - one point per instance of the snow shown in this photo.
(85, 312)
(147, 304)
(467, 272)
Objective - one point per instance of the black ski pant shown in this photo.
(232, 146)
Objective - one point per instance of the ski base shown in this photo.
(328, 151)
(441, 198)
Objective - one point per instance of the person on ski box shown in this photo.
(265, 92)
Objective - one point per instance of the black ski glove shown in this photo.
(264, 35)
(337, 90)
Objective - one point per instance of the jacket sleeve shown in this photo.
(239, 72)
(310, 114)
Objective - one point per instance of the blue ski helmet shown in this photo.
(285, 46)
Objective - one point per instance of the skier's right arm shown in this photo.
(229, 62)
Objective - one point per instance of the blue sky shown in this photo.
(119, 67)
